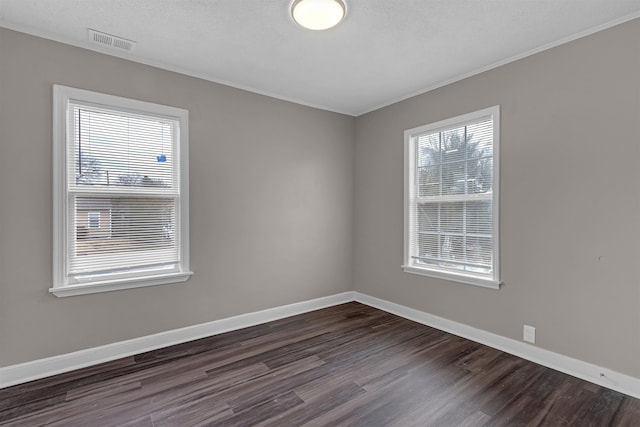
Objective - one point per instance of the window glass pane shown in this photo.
(480, 139)
(427, 247)
(451, 247)
(144, 222)
(428, 217)
(479, 175)
(429, 180)
(452, 217)
(454, 145)
(453, 178)
(427, 165)
(479, 254)
(479, 218)
(115, 149)
(428, 149)
(129, 225)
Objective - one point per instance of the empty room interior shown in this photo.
(319, 212)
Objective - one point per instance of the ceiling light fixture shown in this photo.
(318, 14)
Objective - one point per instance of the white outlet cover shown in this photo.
(529, 334)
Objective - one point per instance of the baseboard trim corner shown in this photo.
(586, 371)
(42, 368)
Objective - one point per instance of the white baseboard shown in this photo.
(29, 371)
(574, 367)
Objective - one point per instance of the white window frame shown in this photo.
(62, 286)
(409, 263)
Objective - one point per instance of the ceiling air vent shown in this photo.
(108, 40)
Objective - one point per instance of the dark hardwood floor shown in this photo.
(349, 365)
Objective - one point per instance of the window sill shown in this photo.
(460, 278)
(116, 285)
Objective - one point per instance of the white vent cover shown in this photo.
(108, 40)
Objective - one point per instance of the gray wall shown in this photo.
(271, 203)
(570, 224)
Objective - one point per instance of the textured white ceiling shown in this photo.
(384, 50)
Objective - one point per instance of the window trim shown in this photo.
(62, 287)
(431, 271)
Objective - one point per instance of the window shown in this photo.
(120, 193)
(93, 218)
(451, 199)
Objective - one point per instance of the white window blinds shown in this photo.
(121, 165)
(120, 193)
(451, 198)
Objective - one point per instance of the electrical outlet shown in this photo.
(529, 334)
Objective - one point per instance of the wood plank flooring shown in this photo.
(348, 365)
